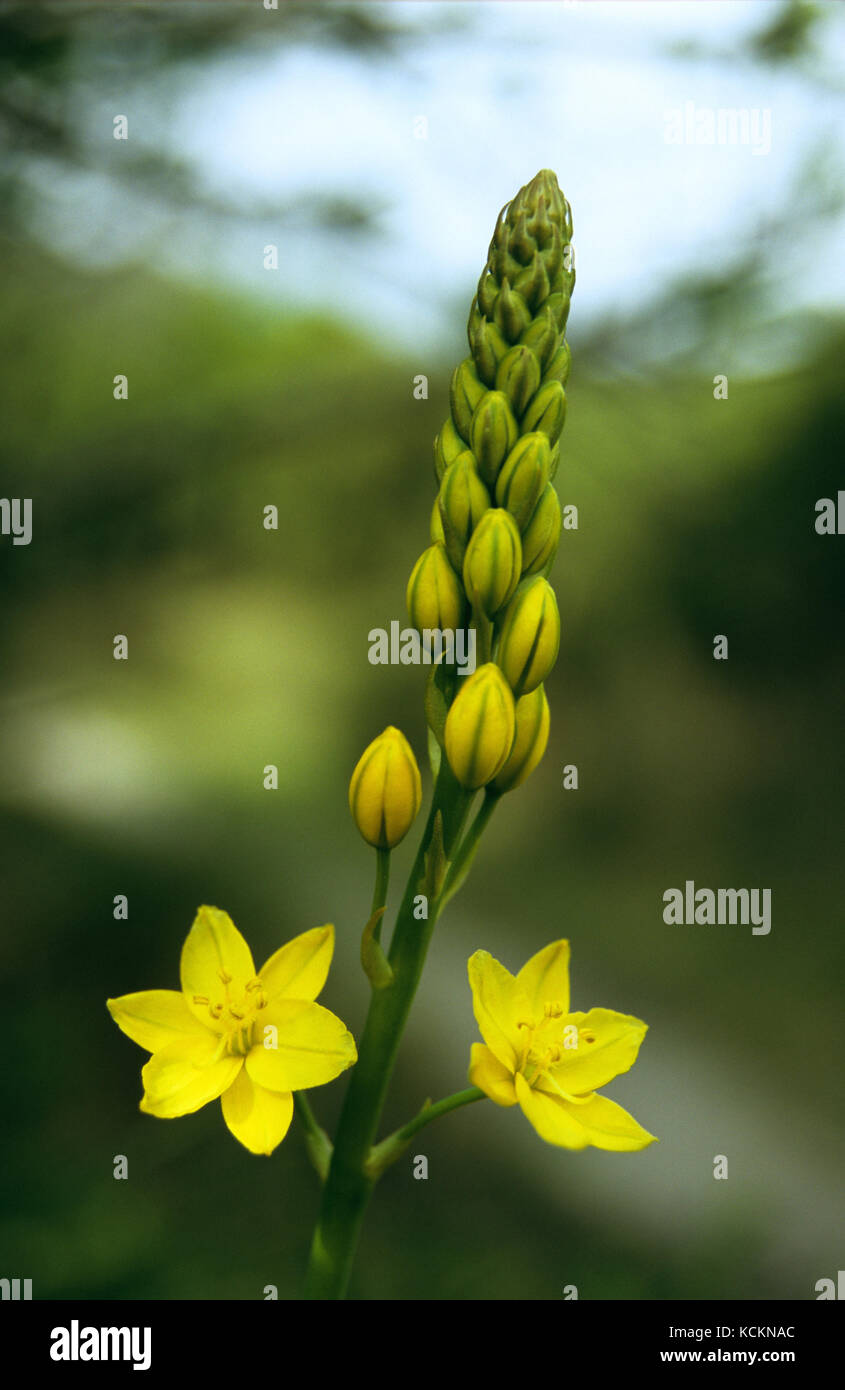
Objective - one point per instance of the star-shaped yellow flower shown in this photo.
(548, 1060)
(250, 1038)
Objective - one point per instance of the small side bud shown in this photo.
(480, 728)
(547, 411)
(524, 475)
(559, 365)
(385, 790)
(529, 745)
(530, 637)
(447, 445)
(436, 526)
(541, 535)
(511, 314)
(462, 501)
(493, 433)
(488, 348)
(493, 562)
(542, 336)
(465, 392)
(434, 595)
(518, 375)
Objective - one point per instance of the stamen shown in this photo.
(236, 1013)
(224, 976)
(201, 999)
(215, 1010)
(552, 1009)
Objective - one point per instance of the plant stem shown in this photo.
(381, 884)
(462, 862)
(385, 1153)
(349, 1185)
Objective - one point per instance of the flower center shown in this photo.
(238, 1016)
(548, 1040)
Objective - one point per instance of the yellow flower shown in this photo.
(548, 1060)
(385, 790)
(251, 1039)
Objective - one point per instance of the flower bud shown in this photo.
(530, 638)
(542, 336)
(447, 445)
(547, 411)
(465, 392)
(385, 790)
(480, 727)
(518, 375)
(558, 367)
(493, 561)
(434, 595)
(488, 348)
(436, 527)
(462, 501)
(524, 475)
(541, 535)
(493, 434)
(529, 745)
(559, 305)
(511, 314)
(533, 283)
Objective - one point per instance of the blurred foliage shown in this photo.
(249, 646)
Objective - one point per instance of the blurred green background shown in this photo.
(249, 647)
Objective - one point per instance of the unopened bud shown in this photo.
(547, 411)
(462, 502)
(493, 562)
(541, 535)
(493, 434)
(559, 305)
(436, 527)
(530, 637)
(529, 745)
(434, 595)
(518, 375)
(533, 283)
(558, 367)
(447, 445)
(542, 336)
(385, 790)
(488, 348)
(465, 392)
(511, 313)
(480, 727)
(524, 475)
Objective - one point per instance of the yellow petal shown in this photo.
(596, 1121)
(214, 949)
(183, 1077)
(552, 1118)
(298, 969)
(608, 1044)
(154, 1017)
(545, 977)
(608, 1126)
(487, 1072)
(258, 1118)
(498, 1005)
(312, 1046)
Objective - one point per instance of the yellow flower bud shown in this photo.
(493, 561)
(447, 445)
(385, 790)
(463, 500)
(518, 375)
(434, 595)
(532, 735)
(547, 411)
(436, 527)
(480, 727)
(530, 637)
(492, 434)
(524, 474)
(541, 535)
(465, 392)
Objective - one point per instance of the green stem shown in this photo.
(380, 889)
(349, 1185)
(317, 1142)
(391, 1148)
(462, 862)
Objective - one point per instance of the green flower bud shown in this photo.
(542, 336)
(530, 637)
(385, 790)
(541, 535)
(529, 745)
(511, 314)
(492, 435)
(488, 348)
(465, 392)
(434, 595)
(493, 562)
(524, 475)
(462, 501)
(559, 365)
(518, 375)
(480, 727)
(547, 411)
(533, 283)
(436, 526)
(559, 305)
(447, 446)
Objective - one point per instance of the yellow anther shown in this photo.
(523, 1024)
(253, 984)
(262, 1000)
(224, 976)
(215, 1010)
(201, 999)
(236, 1013)
(552, 1010)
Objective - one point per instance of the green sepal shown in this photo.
(375, 964)
(440, 690)
(436, 863)
(435, 754)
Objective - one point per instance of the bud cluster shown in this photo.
(496, 521)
